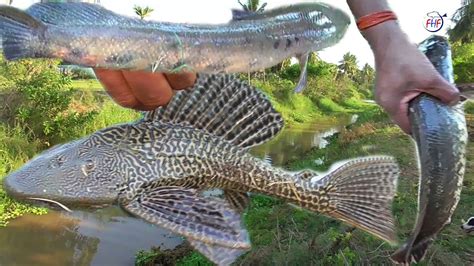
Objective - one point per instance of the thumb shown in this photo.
(400, 117)
(443, 90)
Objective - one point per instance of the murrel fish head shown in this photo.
(76, 173)
(331, 22)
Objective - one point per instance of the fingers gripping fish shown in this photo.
(157, 167)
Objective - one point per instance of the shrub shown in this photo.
(43, 106)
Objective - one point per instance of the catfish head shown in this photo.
(82, 172)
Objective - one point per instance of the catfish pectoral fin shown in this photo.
(238, 200)
(218, 254)
(183, 211)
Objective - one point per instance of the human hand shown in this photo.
(142, 90)
(402, 73)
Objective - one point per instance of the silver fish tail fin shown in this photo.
(17, 31)
(360, 193)
(224, 106)
(408, 253)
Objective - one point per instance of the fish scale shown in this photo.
(92, 36)
(158, 167)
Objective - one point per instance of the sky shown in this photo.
(411, 16)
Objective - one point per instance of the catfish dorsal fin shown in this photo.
(224, 106)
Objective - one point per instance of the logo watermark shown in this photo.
(434, 21)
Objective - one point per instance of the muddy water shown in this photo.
(111, 237)
(103, 237)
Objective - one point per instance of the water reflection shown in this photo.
(110, 236)
(293, 143)
(104, 237)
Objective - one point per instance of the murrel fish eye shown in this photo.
(90, 35)
(157, 168)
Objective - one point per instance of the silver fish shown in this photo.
(156, 169)
(441, 136)
(89, 35)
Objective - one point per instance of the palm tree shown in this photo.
(348, 65)
(253, 6)
(143, 12)
(367, 74)
(464, 18)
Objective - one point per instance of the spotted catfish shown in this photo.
(157, 168)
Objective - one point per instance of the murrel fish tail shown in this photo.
(410, 253)
(18, 30)
(361, 191)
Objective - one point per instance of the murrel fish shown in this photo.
(89, 35)
(441, 136)
(157, 167)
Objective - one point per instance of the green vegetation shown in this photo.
(143, 12)
(87, 85)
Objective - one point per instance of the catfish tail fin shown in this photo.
(360, 193)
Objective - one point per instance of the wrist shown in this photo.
(382, 36)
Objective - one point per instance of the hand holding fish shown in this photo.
(402, 71)
(143, 90)
(402, 74)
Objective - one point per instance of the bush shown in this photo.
(44, 104)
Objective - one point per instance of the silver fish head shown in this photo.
(76, 173)
(331, 22)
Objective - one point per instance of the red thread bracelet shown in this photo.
(373, 19)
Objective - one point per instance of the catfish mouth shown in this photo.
(34, 197)
(48, 201)
(58, 204)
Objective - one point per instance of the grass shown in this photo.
(294, 108)
(87, 85)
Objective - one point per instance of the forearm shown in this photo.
(378, 36)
